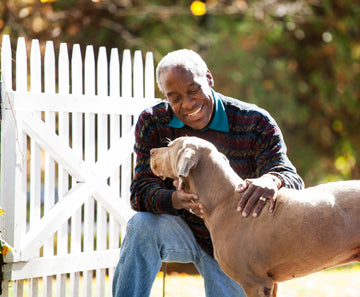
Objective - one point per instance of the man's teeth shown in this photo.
(194, 113)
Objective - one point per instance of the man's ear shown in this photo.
(186, 159)
(210, 79)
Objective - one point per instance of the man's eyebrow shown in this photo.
(169, 94)
(193, 84)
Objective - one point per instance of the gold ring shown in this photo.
(262, 199)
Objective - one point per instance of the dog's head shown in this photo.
(178, 158)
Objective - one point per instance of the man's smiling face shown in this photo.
(189, 96)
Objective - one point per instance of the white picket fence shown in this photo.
(67, 163)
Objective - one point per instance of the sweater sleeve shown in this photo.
(271, 154)
(148, 192)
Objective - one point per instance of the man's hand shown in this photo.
(189, 201)
(256, 192)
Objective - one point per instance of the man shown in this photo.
(169, 225)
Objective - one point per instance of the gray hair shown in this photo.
(185, 58)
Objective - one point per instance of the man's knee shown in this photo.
(141, 221)
(143, 226)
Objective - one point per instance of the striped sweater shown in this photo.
(254, 146)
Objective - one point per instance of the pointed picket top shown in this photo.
(89, 88)
(49, 68)
(21, 66)
(89, 71)
(138, 75)
(64, 71)
(149, 76)
(76, 71)
(126, 71)
(6, 67)
(114, 73)
(102, 72)
(35, 67)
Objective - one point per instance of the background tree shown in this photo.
(300, 59)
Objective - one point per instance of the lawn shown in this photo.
(337, 282)
(186, 282)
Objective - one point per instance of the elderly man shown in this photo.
(169, 225)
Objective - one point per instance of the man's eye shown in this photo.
(174, 99)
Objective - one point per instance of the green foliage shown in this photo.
(299, 60)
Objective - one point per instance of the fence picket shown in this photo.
(35, 156)
(35, 162)
(114, 78)
(20, 171)
(102, 90)
(21, 86)
(35, 67)
(21, 67)
(126, 122)
(63, 177)
(81, 143)
(18, 288)
(89, 206)
(138, 75)
(149, 76)
(49, 170)
(6, 65)
(77, 82)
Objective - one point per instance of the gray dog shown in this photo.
(310, 230)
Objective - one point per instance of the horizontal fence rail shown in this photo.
(66, 163)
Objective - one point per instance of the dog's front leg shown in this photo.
(262, 288)
(274, 294)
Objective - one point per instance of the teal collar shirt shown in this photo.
(219, 122)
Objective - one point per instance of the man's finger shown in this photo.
(241, 187)
(260, 205)
(272, 205)
(244, 199)
(250, 204)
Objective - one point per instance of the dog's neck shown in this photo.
(224, 182)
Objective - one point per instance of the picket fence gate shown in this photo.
(67, 163)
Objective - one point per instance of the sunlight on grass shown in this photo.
(336, 282)
(179, 284)
(67, 289)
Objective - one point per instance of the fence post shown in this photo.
(8, 137)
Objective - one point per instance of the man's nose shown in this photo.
(188, 102)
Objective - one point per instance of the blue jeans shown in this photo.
(152, 239)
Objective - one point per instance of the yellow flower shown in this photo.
(4, 251)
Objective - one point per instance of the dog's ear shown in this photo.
(186, 159)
